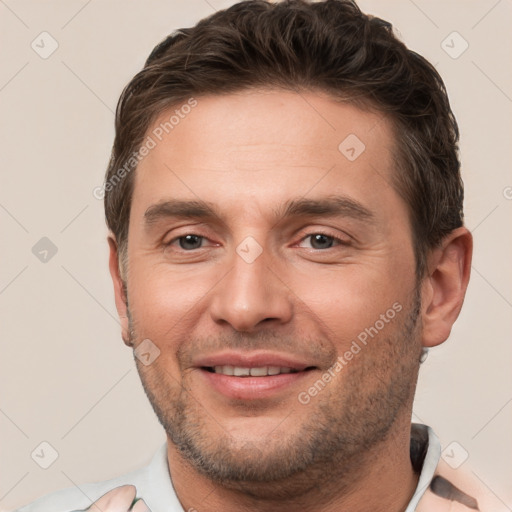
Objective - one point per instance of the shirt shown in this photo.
(434, 492)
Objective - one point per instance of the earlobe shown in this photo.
(444, 287)
(119, 288)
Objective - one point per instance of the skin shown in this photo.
(247, 154)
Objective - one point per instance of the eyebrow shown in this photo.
(325, 207)
(180, 209)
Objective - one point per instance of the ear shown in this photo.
(444, 288)
(119, 292)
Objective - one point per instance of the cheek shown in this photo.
(169, 287)
(350, 300)
(163, 304)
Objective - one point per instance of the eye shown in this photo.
(322, 241)
(188, 242)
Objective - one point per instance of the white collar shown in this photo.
(429, 466)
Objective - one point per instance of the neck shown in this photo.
(382, 480)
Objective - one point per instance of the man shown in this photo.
(286, 240)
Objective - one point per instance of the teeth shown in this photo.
(262, 371)
(259, 372)
(226, 370)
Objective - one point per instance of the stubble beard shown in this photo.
(346, 421)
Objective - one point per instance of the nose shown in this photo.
(251, 295)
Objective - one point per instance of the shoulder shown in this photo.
(459, 490)
(78, 498)
(82, 496)
(441, 488)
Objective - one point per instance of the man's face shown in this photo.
(293, 254)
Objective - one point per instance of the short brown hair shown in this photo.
(329, 46)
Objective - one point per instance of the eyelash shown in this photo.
(336, 240)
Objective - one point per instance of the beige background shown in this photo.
(66, 377)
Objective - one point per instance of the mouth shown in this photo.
(258, 375)
(258, 371)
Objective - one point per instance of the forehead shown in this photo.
(266, 145)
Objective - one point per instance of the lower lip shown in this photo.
(252, 388)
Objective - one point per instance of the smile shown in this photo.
(241, 371)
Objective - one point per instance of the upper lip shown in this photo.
(252, 360)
